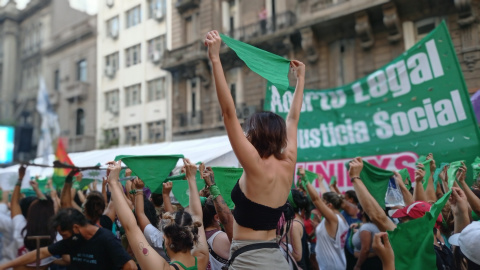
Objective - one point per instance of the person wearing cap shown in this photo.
(467, 243)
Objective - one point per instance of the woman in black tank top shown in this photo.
(267, 152)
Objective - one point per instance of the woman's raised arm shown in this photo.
(146, 256)
(294, 113)
(247, 154)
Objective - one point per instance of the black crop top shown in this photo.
(254, 215)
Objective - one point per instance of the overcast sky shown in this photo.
(89, 6)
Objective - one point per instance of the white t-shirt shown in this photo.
(155, 239)
(330, 254)
(7, 249)
(357, 243)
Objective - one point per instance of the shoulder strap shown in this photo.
(175, 266)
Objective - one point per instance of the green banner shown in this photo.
(417, 103)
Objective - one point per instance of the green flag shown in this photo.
(375, 180)
(226, 178)
(270, 66)
(476, 168)
(182, 193)
(412, 242)
(452, 172)
(151, 169)
(406, 176)
(82, 184)
(177, 177)
(388, 111)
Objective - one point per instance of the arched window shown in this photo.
(80, 122)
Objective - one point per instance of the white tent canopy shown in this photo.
(214, 151)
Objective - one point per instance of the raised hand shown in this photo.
(356, 166)
(138, 183)
(383, 248)
(190, 169)
(167, 187)
(21, 172)
(208, 177)
(213, 42)
(461, 173)
(433, 166)
(419, 173)
(298, 68)
(114, 168)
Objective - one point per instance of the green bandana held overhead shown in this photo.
(452, 172)
(375, 180)
(406, 178)
(426, 166)
(225, 179)
(270, 66)
(181, 191)
(476, 168)
(151, 169)
(417, 233)
(436, 174)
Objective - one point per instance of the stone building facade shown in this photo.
(338, 40)
(37, 41)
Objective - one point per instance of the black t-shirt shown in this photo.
(106, 222)
(102, 251)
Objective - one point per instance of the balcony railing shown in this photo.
(323, 4)
(184, 5)
(190, 119)
(77, 90)
(266, 27)
(184, 54)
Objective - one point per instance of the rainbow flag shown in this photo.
(59, 174)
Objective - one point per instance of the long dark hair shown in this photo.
(39, 212)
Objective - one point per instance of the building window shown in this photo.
(156, 131)
(156, 47)
(156, 89)
(112, 27)
(156, 9)
(133, 16)
(82, 70)
(111, 101)
(132, 95)
(133, 134)
(111, 136)
(190, 30)
(133, 55)
(56, 80)
(80, 122)
(193, 97)
(425, 26)
(112, 60)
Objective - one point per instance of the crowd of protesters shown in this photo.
(273, 225)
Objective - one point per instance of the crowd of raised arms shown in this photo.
(272, 226)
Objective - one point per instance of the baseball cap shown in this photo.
(414, 210)
(467, 240)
